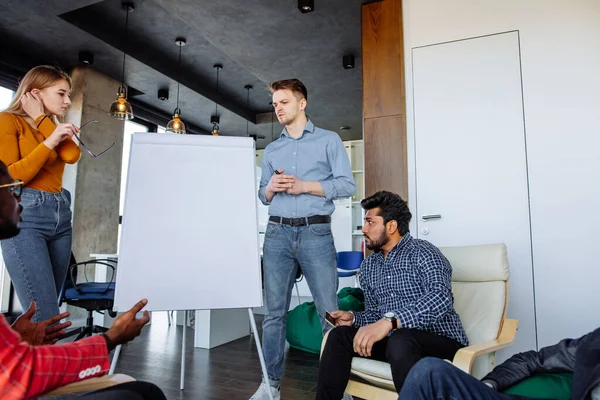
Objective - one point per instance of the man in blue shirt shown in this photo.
(302, 173)
(409, 309)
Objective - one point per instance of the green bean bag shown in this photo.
(303, 331)
(544, 386)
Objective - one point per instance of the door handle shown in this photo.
(430, 217)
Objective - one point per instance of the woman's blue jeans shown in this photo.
(38, 257)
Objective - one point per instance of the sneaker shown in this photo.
(263, 392)
(347, 397)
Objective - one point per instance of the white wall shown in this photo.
(560, 56)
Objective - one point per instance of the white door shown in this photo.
(471, 167)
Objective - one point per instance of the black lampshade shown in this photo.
(306, 6)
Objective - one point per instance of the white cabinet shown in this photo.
(355, 150)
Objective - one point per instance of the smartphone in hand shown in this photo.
(329, 318)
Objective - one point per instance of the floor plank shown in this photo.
(228, 372)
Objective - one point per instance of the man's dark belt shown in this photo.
(315, 219)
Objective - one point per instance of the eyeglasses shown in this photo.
(87, 148)
(16, 187)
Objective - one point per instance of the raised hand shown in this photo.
(126, 327)
(37, 333)
(32, 105)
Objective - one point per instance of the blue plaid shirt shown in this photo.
(413, 282)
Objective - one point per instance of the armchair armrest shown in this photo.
(323, 342)
(465, 357)
(91, 384)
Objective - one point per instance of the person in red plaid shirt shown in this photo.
(30, 363)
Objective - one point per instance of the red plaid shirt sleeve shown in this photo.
(27, 371)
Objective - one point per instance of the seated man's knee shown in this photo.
(423, 379)
(339, 338)
(339, 332)
(429, 366)
(401, 343)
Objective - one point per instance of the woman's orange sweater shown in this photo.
(28, 158)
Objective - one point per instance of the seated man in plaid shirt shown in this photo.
(409, 309)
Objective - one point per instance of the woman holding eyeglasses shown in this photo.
(36, 147)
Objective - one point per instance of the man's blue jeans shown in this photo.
(434, 378)
(285, 249)
(38, 257)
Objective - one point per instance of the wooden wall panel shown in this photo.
(382, 59)
(384, 103)
(385, 155)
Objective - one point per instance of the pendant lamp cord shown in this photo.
(125, 46)
(178, 76)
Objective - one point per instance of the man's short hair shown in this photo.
(392, 208)
(295, 85)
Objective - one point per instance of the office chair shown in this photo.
(91, 296)
(348, 264)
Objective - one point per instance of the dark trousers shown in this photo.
(402, 349)
(433, 378)
(127, 391)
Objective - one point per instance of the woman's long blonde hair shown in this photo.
(39, 77)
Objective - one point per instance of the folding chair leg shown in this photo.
(298, 294)
(113, 364)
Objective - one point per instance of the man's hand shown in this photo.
(37, 333)
(279, 182)
(369, 335)
(127, 326)
(297, 186)
(32, 105)
(342, 318)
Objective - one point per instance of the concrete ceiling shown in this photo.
(256, 41)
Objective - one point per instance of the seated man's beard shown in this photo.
(8, 230)
(377, 244)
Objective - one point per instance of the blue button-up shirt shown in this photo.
(414, 282)
(317, 155)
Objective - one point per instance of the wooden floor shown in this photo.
(231, 371)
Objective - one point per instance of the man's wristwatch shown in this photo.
(390, 316)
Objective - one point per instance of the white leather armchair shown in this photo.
(480, 288)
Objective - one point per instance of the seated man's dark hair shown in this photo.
(392, 208)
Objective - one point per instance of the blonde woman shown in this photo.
(35, 147)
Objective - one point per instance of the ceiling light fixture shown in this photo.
(120, 108)
(306, 6)
(86, 57)
(348, 61)
(163, 94)
(176, 125)
(214, 119)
